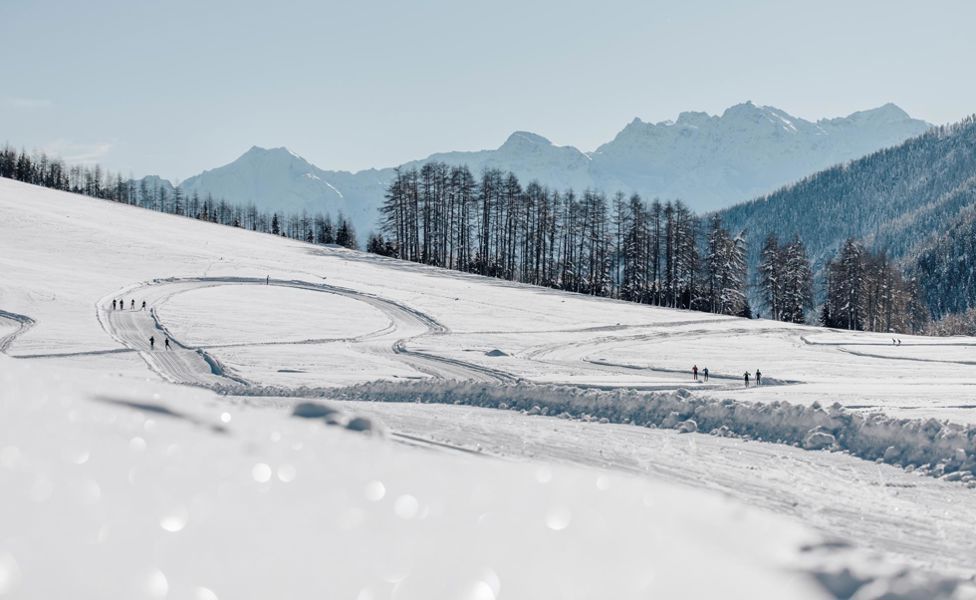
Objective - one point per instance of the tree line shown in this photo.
(865, 291)
(158, 195)
(623, 247)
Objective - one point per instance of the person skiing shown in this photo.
(133, 304)
(152, 342)
(694, 372)
(758, 378)
(267, 280)
(167, 343)
(747, 378)
(113, 304)
(705, 374)
(143, 305)
(121, 304)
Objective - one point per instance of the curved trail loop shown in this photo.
(22, 323)
(195, 366)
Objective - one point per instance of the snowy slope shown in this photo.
(263, 310)
(707, 161)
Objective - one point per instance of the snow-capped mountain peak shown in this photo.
(525, 138)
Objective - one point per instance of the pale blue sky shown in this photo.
(173, 87)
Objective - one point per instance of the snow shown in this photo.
(281, 505)
(137, 502)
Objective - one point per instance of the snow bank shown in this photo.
(933, 447)
(127, 488)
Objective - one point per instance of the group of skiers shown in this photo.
(746, 376)
(120, 304)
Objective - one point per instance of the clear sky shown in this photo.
(173, 87)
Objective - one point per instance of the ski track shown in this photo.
(196, 366)
(579, 354)
(22, 324)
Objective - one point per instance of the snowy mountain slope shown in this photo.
(899, 200)
(63, 258)
(543, 335)
(707, 161)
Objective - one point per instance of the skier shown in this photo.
(121, 304)
(113, 304)
(758, 378)
(133, 305)
(694, 372)
(705, 374)
(152, 342)
(747, 378)
(143, 305)
(167, 343)
(267, 280)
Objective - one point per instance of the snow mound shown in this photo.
(496, 352)
(927, 446)
(818, 439)
(332, 416)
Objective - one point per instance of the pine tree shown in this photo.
(772, 263)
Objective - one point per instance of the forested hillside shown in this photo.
(894, 199)
(946, 268)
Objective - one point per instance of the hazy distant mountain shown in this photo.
(711, 162)
(277, 179)
(708, 161)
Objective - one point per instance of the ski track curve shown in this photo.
(196, 366)
(579, 354)
(22, 324)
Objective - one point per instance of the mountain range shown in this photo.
(708, 161)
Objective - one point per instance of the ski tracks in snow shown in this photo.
(21, 323)
(195, 366)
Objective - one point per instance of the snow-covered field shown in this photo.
(237, 498)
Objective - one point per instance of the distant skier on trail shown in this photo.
(143, 305)
(152, 342)
(113, 304)
(133, 305)
(167, 343)
(758, 378)
(705, 374)
(746, 376)
(694, 372)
